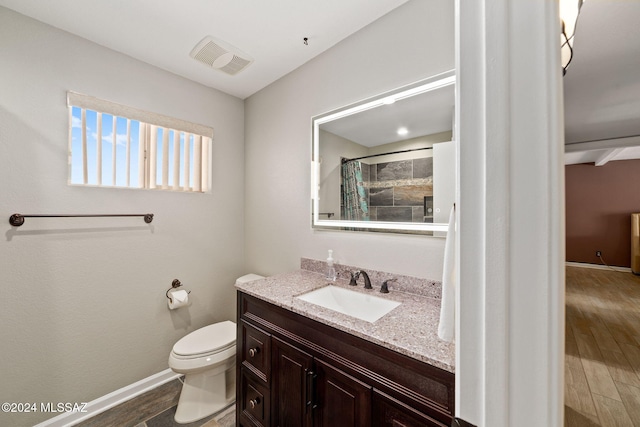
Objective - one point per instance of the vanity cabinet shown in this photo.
(296, 372)
(309, 392)
(291, 385)
(341, 399)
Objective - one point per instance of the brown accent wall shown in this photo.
(599, 203)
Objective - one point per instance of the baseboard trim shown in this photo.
(110, 400)
(597, 266)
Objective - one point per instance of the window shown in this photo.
(112, 145)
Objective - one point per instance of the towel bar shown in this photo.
(18, 219)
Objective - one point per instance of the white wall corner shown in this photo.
(509, 124)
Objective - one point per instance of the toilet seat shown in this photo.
(211, 348)
(206, 341)
(201, 355)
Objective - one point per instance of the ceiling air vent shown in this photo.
(220, 56)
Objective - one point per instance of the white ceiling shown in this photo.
(163, 33)
(602, 84)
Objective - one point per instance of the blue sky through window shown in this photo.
(107, 138)
(107, 149)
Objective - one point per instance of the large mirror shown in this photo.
(387, 163)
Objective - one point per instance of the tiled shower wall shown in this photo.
(400, 191)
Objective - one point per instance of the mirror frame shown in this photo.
(422, 86)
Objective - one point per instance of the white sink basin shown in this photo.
(355, 304)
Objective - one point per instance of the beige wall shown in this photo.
(83, 303)
(412, 42)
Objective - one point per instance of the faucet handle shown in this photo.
(354, 277)
(385, 285)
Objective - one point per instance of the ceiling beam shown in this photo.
(627, 141)
(608, 155)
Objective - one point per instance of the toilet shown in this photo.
(207, 358)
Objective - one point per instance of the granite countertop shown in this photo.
(410, 329)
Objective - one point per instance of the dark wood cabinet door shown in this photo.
(340, 400)
(389, 412)
(291, 380)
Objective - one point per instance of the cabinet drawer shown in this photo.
(254, 406)
(256, 351)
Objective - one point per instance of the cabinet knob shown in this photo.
(254, 402)
(254, 351)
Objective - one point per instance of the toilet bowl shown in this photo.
(207, 357)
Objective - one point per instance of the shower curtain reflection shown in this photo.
(354, 195)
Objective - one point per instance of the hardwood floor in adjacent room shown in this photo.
(602, 353)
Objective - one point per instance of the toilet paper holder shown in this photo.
(174, 285)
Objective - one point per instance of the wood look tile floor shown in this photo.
(602, 351)
(225, 418)
(156, 408)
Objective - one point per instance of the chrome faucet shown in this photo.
(355, 276)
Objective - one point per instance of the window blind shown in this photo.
(144, 149)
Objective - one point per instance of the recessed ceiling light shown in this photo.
(403, 131)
